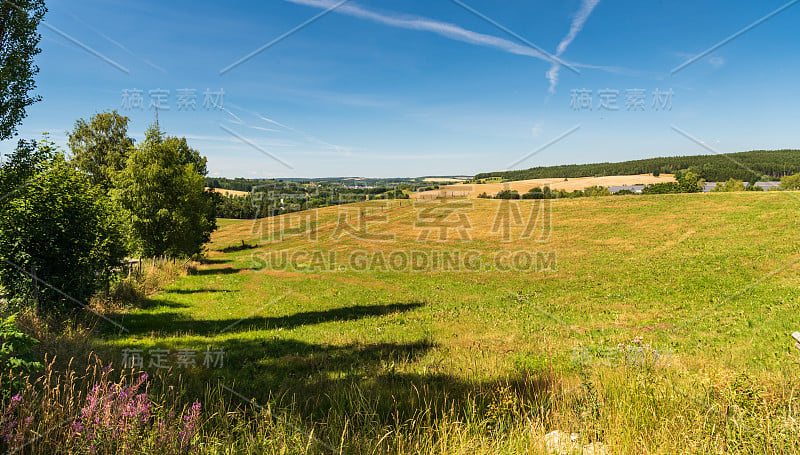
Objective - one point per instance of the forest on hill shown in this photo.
(747, 166)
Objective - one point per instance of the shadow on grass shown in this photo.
(217, 271)
(207, 261)
(371, 380)
(181, 323)
(234, 248)
(374, 384)
(193, 291)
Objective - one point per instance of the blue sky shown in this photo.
(379, 88)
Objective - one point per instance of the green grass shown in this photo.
(710, 281)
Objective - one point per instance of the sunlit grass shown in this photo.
(708, 280)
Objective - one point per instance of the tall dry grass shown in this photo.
(624, 409)
(140, 279)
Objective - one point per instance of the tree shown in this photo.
(790, 182)
(27, 161)
(162, 189)
(57, 227)
(507, 194)
(594, 191)
(662, 188)
(730, 186)
(689, 182)
(100, 147)
(19, 42)
(534, 193)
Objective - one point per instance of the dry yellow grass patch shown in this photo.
(523, 186)
(225, 192)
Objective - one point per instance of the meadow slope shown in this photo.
(660, 312)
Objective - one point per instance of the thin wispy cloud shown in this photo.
(228, 139)
(458, 33)
(306, 136)
(587, 6)
(421, 23)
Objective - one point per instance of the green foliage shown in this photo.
(540, 193)
(56, 225)
(162, 191)
(15, 353)
(27, 161)
(19, 42)
(662, 188)
(371, 185)
(690, 182)
(100, 146)
(594, 191)
(687, 182)
(534, 193)
(237, 207)
(730, 186)
(708, 167)
(790, 182)
(277, 198)
(507, 194)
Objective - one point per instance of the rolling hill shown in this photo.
(746, 166)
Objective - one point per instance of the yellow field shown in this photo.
(523, 186)
(225, 192)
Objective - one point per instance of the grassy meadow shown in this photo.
(664, 328)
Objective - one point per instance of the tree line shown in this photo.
(752, 166)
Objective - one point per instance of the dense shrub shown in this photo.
(507, 194)
(59, 237)
(790, 182)
(730, 186)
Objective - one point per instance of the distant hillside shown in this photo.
(714, 168)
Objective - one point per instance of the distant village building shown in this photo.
(766, 186)
(635, 188)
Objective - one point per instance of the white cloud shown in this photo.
(420, 23)
(461, 34)
(587, 6)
